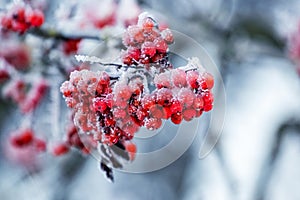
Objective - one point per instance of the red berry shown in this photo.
(167, 36)
(36, 18)
(4, 75)
(176, 106)
(126, 59)
(160, 45)
(99, 104)
(120, 103)
(207, 81)
(167, 112)
(131, 149)
(179, 77)
(23, 138)
(130, 128)
(207, 97)
(192, 77)
(106, 21)
(157, 111)
(134, 53)
(176, 118)
(122, 91)
(113, 139)
(119, 113)
(198, 102)
(19, 27)
(104, 78)
(60, 149)
(207, 107)
(163, 80)
(198, 113)
(40, 144)
(208, 101)
(153, 123)
(186, 97)
(189, 114)
(164, 96)
(141, 114)
(71, 46)
(148, 23)
(6, 22)
(136, 85)
(134, 36)
(157, 57)
(148, 101)
(149, 49)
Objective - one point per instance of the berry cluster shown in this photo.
(179, 94)
(96, 108)
(116, 113)
(110, 12)
(27, 100)
(20, 18)
(112, 105)
(70, 46)
(24, 147)
(145, 42)
(25, 137)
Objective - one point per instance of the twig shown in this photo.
(51, 33)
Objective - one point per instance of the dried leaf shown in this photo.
(107, 171)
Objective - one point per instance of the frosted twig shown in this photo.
(94, 59)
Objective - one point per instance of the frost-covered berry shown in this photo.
(99, 104)
(176, 118)
(206, 81)
(186, 97)
(164, 96)
(36, 18)
(192, 79)
(160, 45)
(60, 149)
(176, 106)
(148, 49)
(189, 114)
(163, 80)
(167, 36)
(153, 123)
(179, 77)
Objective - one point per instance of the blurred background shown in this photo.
(253, 44)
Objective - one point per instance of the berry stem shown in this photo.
(52, 33)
